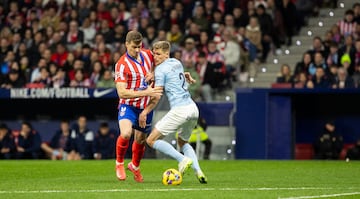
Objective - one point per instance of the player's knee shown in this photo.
(150, 142)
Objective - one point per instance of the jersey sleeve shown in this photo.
(120, 74)
(159, 76)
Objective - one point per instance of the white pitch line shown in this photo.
(324, 196)
(173, 189)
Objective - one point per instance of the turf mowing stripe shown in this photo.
(324, 196)
(176, 189)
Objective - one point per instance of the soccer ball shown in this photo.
(171, 177)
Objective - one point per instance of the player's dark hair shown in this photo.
(134, 36)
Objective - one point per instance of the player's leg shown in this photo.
(169, 124)
(191, 111)
(138, 150)
(138, 147)
(125, 117)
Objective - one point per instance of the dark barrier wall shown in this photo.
(270, 121)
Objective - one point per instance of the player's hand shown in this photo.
(149, 77)
(142, 119)
(154, 92)
(189, 79)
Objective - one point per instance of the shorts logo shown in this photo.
(122, 111)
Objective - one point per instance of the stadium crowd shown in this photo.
(69, 142)
(334, 59)
(75, 43)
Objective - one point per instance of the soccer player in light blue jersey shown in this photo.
(183, 114)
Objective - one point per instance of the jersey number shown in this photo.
(182, 77)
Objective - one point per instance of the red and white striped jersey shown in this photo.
(133, 73)
(346, 28)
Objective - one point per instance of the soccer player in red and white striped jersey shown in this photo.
(133, 73)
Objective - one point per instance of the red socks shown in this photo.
(121, 147)
(138, 151)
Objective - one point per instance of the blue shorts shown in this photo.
(131, 113)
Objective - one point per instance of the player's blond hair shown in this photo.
(162, 45)
(134, 36)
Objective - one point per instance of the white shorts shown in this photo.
(180, 119)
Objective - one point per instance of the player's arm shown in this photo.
(125, 93)
(151, 106)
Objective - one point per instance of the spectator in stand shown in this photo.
(319, 80)
(335, 30)
(348, 50)
(266, 28)
(81, 140)
(106, 80)
(329, 144)
(207, 75)
(318, 62)
(88, 30)
(104, 55)
(347, 25)
(61, 79)
(70, 60)
(7, 144)
(50, 18)
(288, 13)
(9, 59)
(216, 61)
(195, 88)
(203, 42)
(174, 36)
(189, 52)
(96, 72)
(104, 142)
(73, 36)
(199, 18)
(231, 53)
(333, 74)
(300, 80)
(27, 142)
(253, 33)
(59, 57)
(77, 65)
(44, 78)
(35, 73)
(317, 46)
(106, 31)
(333, 58)
(59, 145)
(343, 80)
(80, 80)
(303, 65)
(13, 80)
(241, 19)
(285, 75)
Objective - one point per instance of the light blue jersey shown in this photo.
(170, 75)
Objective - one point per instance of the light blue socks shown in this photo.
(168, 149)
(189, 152)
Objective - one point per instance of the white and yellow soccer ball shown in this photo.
(171, 177)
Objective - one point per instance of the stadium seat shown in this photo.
(281, 85)
(34, 85)
(304, 151)
(344, 151)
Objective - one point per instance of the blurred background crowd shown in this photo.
(75, 43)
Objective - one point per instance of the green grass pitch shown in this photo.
(226, 179)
